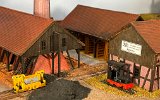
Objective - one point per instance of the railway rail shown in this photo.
(9, 94)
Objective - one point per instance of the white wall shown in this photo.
(60, 8)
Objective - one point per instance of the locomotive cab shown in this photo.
(119, 76)
(119, 72)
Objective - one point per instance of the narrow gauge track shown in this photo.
(9, 94)
(129, 91)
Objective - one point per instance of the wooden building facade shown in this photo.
(34, 36)
(94, 26)
(138, 45)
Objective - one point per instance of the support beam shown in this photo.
(2, 56)
(45, 56)
(72, 67)
(106, 51)
(146, 77)
(53, 56)
(158, 76)
(30, 64)
(134, 65)
(139, 75)
(23, 65)
(59, 63)
(53, 51)
(34, 63)
(59, 54)
(13, 57)
(78, 52)
(8, 64)
(94, 48)
(16, 64)
(152, 79)
(1, 51)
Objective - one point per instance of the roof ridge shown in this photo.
(106, 10)
(147, 21)
(18, 11)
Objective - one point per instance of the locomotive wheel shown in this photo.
(130, 91)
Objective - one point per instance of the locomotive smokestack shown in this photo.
(42, 8)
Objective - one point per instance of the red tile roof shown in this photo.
(150, 31)
(18, 30)
(97, 22)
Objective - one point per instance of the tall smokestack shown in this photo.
(42, 8)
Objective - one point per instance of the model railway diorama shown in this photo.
(127, 43)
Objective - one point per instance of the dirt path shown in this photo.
(97, 94)
(85, 72)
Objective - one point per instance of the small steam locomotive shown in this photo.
(119, 76)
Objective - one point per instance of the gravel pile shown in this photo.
(60, 90)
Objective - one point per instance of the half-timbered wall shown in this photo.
(148, 72)
(130, 35)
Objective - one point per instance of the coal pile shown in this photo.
(49, 78)
(60, 90)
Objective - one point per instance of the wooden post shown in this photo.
(8, 64)
(134, 74)
(153, 74)
(53, 62)
(34, 63)
(94, 48)
(59, 54)
(152, 79)
(78, 58)
(2, 56)
(106, 51)
(72, 67)
(23, 65)
(78, 52)
(139, 75)
(16, 64)
(53, 51)
(1, 51)
(30, 63)
(158, 76)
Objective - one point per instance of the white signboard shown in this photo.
(131, 47)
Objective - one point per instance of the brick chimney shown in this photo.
(42, 8)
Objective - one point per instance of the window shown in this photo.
(63, 42)
(43, 45)
(136, 71)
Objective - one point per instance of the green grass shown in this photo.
(96, 81)
(150, 16)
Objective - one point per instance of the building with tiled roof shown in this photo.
(139, 45)
(96, 25)
(27, 36)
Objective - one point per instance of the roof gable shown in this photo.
(97, 22)
(150, 32)
(18, 30)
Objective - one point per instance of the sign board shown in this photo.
(131, 47)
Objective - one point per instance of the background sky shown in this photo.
(61, 8)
